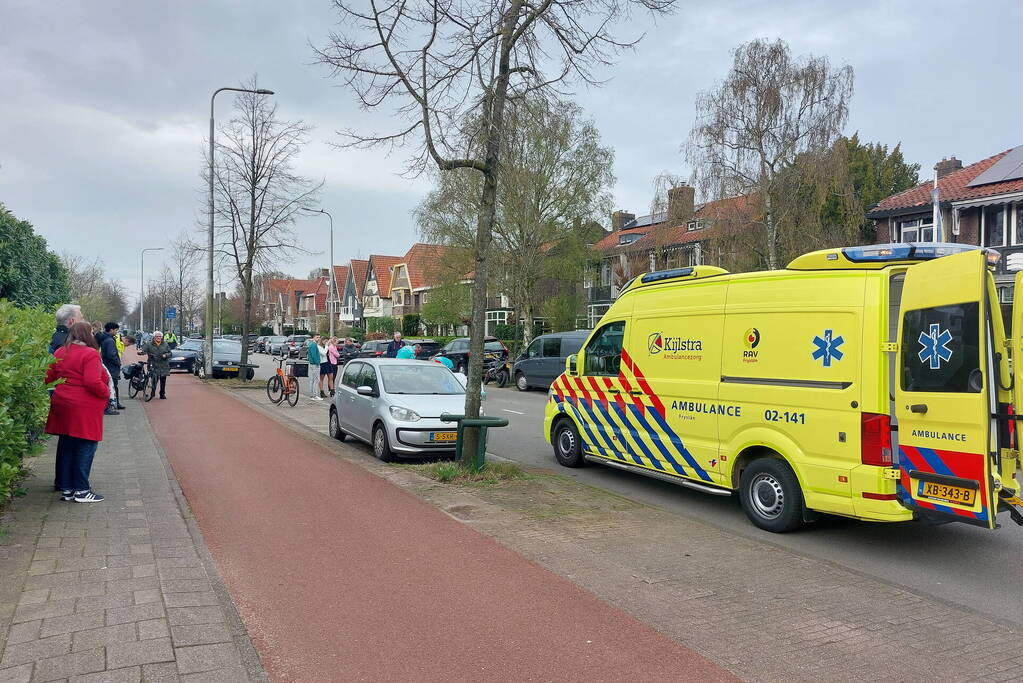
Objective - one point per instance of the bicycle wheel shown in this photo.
(133, 387)
(150, 389)
(292, 394)
(275, 390)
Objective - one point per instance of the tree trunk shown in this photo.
(772, 233)
(527, 319)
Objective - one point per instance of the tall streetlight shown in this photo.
(333, 284)
(209, 261)
(142, 286)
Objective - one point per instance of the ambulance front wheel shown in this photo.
(770, 495)
(567, 447)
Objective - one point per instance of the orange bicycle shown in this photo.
(282, 385)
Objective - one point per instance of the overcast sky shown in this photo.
(103, 105)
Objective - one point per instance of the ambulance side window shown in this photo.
(941, 349)
(604, 352)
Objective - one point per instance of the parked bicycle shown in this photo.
(140, 379)
(283, 385)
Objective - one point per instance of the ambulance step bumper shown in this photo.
(663, 476)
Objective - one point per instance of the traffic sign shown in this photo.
(171, 312)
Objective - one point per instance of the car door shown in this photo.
(364, 407)
(531, 359)
(945, 394)
(346, 396)
(553, 363)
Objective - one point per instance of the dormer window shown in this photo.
(628, 238)
(695, 225)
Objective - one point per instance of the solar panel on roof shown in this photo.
(1009, 167)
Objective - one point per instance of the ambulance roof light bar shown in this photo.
(906, 251)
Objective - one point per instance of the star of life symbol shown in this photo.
(827, 348)
(934, 346)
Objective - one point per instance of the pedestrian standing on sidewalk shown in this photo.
(333, 356)
(97, 332)
(312, 356)
(76, 411)
(67, 315)
(111, 358)
(159, 353)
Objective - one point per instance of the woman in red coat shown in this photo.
(76, 411)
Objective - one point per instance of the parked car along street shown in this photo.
(296, 345)
(227, 358)
(373, 348)
(275, 345)
(428, 348)
(184, 355)
(543, 361)
(457, 351)
(395, 406)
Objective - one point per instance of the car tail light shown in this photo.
(875, 440)
(378, 353)
(880, 496)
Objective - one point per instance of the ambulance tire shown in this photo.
(770, 495)
(567, 445)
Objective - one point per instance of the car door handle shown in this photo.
(918, 408)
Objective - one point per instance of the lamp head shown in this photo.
(263, 91)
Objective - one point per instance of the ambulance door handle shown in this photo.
(918, 408)
(613, 391)
(637, 392)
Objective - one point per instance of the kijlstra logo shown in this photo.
(655, 343)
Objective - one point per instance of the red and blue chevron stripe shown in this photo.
(948, 463)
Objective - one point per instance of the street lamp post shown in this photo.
(209, 260)
(142, 286)
(333, 284)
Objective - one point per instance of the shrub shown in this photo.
(24, 402)
(505, 331)
(385, 325)
(410, 325)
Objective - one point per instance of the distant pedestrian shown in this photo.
(333, 356)
(67, 315)
(171, 339)
(159, 353)
(408, 352)
(313, 358)
(76, 411)
(394, 346)
(111, 358)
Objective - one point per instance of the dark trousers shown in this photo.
(74, 462)
(163, 385)
(117, 389)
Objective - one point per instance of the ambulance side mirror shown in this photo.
(571, 366)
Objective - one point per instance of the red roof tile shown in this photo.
(382, 267)
(951, 188)
(422, 261)
(359, 269)
(340, 278)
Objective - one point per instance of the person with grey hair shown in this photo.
(67, 315)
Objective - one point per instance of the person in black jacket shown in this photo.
(394, 346)
(111, 359)
(67, 315)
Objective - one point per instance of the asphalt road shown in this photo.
(972, 568)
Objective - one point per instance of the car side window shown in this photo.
(351, 376)
(551, 347)
(571, 345)
(368, 377)
(604, 352)
(533, 350)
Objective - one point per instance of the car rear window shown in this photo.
(493, 346)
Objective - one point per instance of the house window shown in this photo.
(605, 274)
(694, 225)
(994, 226)
(916, 230)
(653, 261)
(495, 318)
(626, 238)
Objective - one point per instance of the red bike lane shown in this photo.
(340, 575)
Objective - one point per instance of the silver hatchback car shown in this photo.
(395, 406)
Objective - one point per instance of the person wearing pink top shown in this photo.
(333, 353)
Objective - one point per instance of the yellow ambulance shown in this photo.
(870, 382)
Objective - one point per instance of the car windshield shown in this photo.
(419, 379)
(190, 346)
(227, 346)
(277, 340)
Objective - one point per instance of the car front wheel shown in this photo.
(520, 382)
(334, 426)
(567, 447)
(381, 446)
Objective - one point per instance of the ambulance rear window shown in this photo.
(941, 349)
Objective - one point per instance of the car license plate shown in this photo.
(229, 369)
(443, 436)
(958, 495)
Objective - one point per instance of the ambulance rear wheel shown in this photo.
(770, 495)
(567, 446)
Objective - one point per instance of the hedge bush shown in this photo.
(24, 401)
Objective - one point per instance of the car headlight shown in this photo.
(404, 414)
(178, 358)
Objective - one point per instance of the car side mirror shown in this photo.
(571, 366)
(365, 390)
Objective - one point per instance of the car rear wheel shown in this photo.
(567, 447)
(381, 446)
(770, 495)
(520, 382)
(334, 426)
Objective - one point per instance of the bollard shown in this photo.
(483, 423)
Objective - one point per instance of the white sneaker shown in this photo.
(315, 398)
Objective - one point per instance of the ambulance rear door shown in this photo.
(944, 394)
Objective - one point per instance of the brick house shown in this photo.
(282, 302)
(980, 204)
(414, 276)
(350, 291)
(376, 293)
(312, 306)
(676, 238)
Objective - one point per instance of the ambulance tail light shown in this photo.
(875, 440)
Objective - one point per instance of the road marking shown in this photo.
(512, 411)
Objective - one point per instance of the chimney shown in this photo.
(681, 204)
(620, 218)
(946, 166)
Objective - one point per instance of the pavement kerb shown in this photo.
(249, 656)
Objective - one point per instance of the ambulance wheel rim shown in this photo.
(566, 442)
(767, 496)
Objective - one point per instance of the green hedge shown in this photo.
(24, 402)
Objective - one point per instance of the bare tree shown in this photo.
(769, 112)
(258, 193)
(184, 285)
(439, 63)
(84, 276)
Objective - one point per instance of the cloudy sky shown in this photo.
(103, 105)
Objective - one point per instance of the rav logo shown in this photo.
(934, 346)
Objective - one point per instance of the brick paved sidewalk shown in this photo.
(121, 590)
